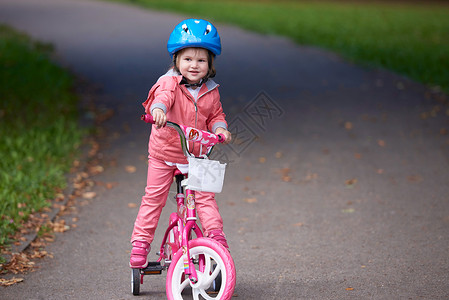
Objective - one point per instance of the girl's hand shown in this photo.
(159, 117)
(227, 134)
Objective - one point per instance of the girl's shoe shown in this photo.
(219, 236)
(139, 255)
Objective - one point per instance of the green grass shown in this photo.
(38, 129)
(409, 39)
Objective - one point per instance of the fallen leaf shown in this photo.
(278, 154)
(89, 195)
(49, 239)
(84, 203)
(286, 178)
(285, 174)
(300, 224)
(348, 125)
(59, 206)
(130, 169)
(46, 209)
(251, 200)
(435, 110)
(111, 185)
(8, 282)
(132, 205)
(381, 143)
(262, 160)
(60, 226)
(95, 170)
(414, 178)
(40, 254)
(357, 155)
(285, 171)
(348, 210)
(104, 115)
(349, 289)
(350, 183)
(19, 263)
(424, 115)
(59, 197)
(311, 176)
(247, 178)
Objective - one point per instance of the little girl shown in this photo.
(184, 95)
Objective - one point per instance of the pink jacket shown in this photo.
(180, 107)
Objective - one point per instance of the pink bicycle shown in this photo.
(200, 263)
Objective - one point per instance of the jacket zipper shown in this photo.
(186, 93)
(196, 113)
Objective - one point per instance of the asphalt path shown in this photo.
(337, 184)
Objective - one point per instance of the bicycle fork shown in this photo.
(187, 215)
(189, 267)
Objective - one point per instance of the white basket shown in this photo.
(205, 175)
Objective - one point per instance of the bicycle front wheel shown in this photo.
(205, 253)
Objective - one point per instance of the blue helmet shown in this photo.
(194, 33)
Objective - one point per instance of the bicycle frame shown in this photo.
(185, 217)
(185, 220)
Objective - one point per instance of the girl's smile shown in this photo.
(193, 64)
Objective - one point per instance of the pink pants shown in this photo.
(159, 180)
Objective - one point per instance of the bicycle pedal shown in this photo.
(153, 268)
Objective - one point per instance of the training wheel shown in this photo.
(216, 284)
(135, 281)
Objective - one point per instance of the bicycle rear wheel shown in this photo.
(211, 253)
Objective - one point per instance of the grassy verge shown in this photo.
(409, 39)
(38, 128)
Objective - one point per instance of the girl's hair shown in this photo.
(211, 72)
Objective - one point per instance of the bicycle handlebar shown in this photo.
(187, 133)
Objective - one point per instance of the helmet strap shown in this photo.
(188, 85)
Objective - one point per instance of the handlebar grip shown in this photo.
(147, 118)
(221, 138)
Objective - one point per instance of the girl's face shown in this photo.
(193, 64)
